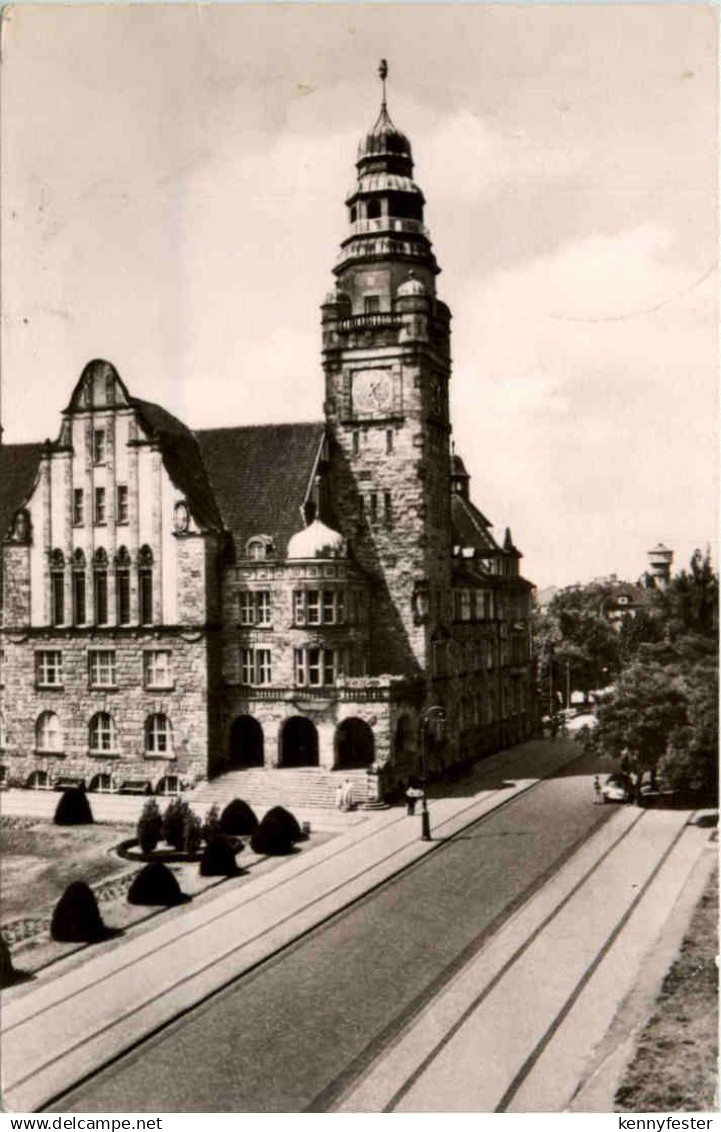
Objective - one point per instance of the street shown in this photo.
(295, 1033)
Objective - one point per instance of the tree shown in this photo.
(150, 826)
(575, 645)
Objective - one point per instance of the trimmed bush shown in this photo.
(150, 826)
(192, 837)
(8, 974)
(174, 823)
(73, 808)
(272, 837)
(286, 819)
(155, 885)
(218, 859)
(211, 826)
(77, 918)
(237, 819)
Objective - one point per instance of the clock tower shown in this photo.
(386, 356)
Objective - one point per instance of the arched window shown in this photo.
(145, 585)
(122, 586)
(100, 589)
(102, 733)
(259, 547)
(48, 733)
(79, 612)
(158, 735)
(57, 587)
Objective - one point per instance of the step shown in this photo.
(297, 786)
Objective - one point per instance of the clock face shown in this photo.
(372, 391)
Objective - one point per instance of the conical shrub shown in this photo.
(272, 837)
(8, 974)
(218, 860)
(237, 819)
(150, 826)
(77, 918)
(73, 808)
(285, 818)
(174, 823)
(155, 885)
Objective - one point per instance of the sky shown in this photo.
(172, 188)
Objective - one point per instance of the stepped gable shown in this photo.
(18, 469)
(261, 476)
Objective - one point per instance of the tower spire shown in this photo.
(383, 72)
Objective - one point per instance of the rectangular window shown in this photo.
(255, 665)
(99, 446)
(78, 597)
(156, 668)
(329, 666)
(78, 506)
(465, 605)
(57, 597)
(328, 607)
(389, 441)
(361, 508)
(263, 674)
(374, 507)
(99, 505)
(299, 607)
(49, 668)
(121, 503)
(263, 607)
(145, 587)
(246, 608)
(102, 668)
(312, 607)
(122, 596)
(299, 665)
(371, 304)
(356, 443)
(101, 597)
(314, 667)
(387, 508)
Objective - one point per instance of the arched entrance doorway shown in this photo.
(246, 742)
(299, 743)
(354, 744)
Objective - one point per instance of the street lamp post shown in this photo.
(436, 715)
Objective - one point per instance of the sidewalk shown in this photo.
(58, 1031)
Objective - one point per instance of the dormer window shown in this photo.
(99, 450)
(259, 547)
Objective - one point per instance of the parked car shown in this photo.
(617, 788)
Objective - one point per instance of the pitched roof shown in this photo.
(261, 476)
(470, 527)
(18, 468)
(182, 458)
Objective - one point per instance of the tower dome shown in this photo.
(317, 541)
(384, 140)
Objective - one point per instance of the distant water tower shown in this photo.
(660, 559)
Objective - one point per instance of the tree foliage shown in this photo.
(662, 714)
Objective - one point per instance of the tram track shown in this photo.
(413, 1057)
(396, 860)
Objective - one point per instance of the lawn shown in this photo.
(38, 860)
(675, 1068)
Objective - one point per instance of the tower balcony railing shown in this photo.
(374, 321)
(388, 224)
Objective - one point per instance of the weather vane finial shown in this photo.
(383, 72)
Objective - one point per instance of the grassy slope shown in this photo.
(675, 1065)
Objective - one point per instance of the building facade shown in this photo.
(176, 603)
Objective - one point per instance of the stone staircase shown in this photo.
(296, 789)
